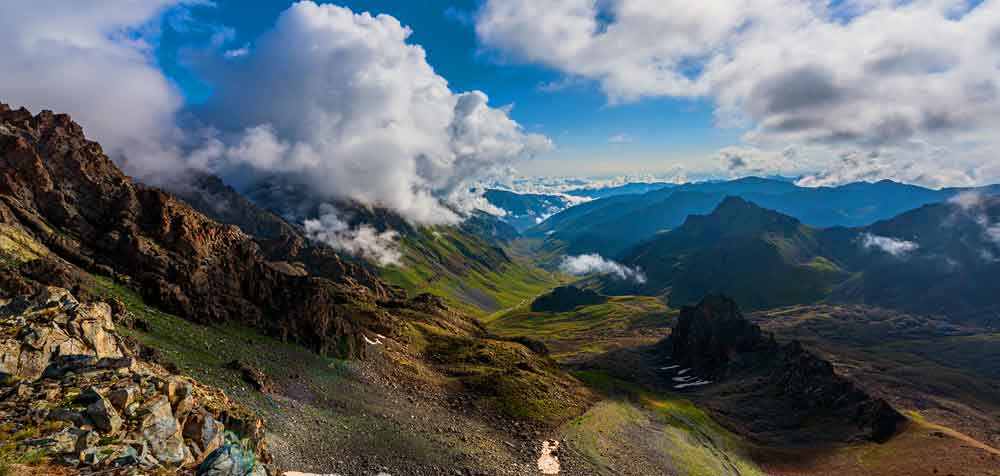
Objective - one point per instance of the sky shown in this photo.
(408, 105)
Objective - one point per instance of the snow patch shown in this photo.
(548, 462)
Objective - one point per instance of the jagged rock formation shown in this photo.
(770, 386)
(566, 298)
(713, 337)
(59, 190)
(73, 389)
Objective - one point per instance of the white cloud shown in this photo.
(895, 247)
(94, 60)
(582, 265)
(364, 240)
(975, 207)
(916, 81)
(335, 101)
(342, 104)
(620, 139)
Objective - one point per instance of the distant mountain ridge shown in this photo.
(525, 210)
(610, 226)
(938, 259)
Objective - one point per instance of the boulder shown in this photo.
(122, 397)
(205, 432)
(104, 416)
(64, 441)
(162, 432)
(230, 460)
(257, 379)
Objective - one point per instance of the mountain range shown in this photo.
(612, 225)
(937, 259)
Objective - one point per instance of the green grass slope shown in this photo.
(588, 330)
(468, 271)
(759, 257)
(637, 432)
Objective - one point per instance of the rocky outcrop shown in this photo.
(74, 391)
(713, 338)
(794, 388)
(60, 190)
(566, 298)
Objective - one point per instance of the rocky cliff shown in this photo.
(767, 385)
(61, 194)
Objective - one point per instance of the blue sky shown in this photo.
(579, 119)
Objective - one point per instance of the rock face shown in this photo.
(757, 377)
(70, 380)
(50, 333)
(60, 190)
(566, 298)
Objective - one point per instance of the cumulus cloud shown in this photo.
(337, 101)
(916, 81)
(364, 240)
(895, 247)
(341, 103)
(582, 265)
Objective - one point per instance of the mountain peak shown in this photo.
(737, 216)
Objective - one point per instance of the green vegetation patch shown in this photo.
(511, 378)
(466, 271)
(586, 330)
(672, 434)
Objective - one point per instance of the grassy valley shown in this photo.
(468, 271)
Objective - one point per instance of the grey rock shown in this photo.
(104, 416)
(163, 433)
(230, 460)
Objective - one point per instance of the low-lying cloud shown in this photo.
(893, 246)
(362, 241)
(973, 205)
(582, 265)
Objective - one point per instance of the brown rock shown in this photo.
(121, 398)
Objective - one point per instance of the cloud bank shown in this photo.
(341, 103)
(583, 265)
(915, 82)
(895, 247)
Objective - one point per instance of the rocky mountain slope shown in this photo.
(61, 191)
(69, 217)
(78, 395)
